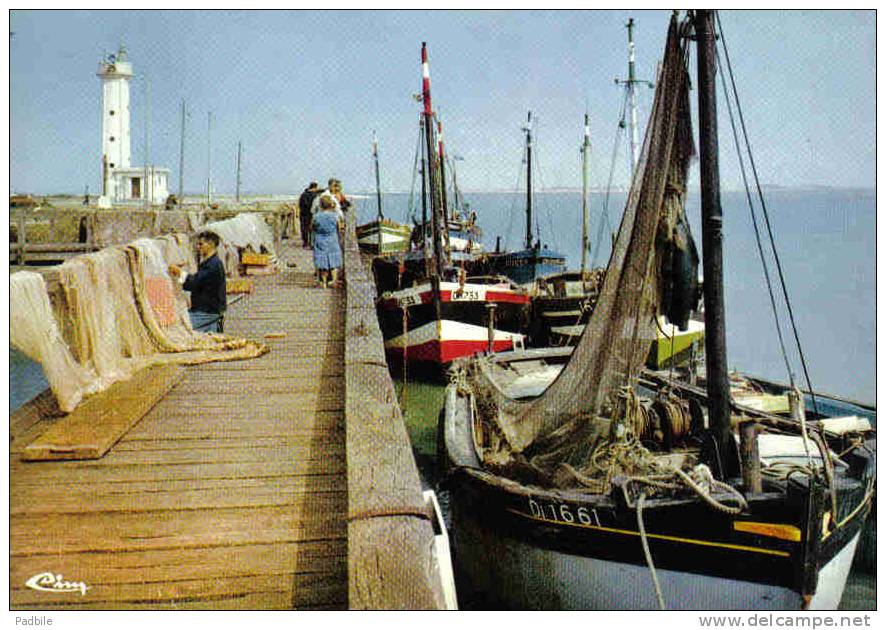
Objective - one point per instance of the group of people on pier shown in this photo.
(321, 218)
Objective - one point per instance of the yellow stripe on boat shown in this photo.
(630, 532)
(773, 530)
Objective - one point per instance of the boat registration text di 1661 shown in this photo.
(563, 513)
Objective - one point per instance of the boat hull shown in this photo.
(445, 341)
(395, 238)
(463, 326)
(525, 266)
(525, 547)
(503, 572)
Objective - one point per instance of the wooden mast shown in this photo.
(377, 191)
(424, 199)
(528, 130)
(712, 245)
(432, 166)
(586, 165)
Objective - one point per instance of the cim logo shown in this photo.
(49, 582)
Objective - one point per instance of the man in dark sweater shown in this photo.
(207, 286)
(304, 211)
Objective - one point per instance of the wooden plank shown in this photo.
(101, 420)
(163, 496)
(207, 455)
(185, 564)
(60, 475)
(320, 519)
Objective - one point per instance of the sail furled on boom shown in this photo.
(618, 335)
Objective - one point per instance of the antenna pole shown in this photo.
(239, 154)
(209, 162)
(181, 159)
(146, 191)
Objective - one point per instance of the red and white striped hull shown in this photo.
(454, 292)
(445, 340)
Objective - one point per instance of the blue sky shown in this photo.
(304, 90)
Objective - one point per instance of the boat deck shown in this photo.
(231, 493)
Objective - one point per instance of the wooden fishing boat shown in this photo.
(577, 480)
(534, 261)
(383, 235)
(430, 308)
(453, 319)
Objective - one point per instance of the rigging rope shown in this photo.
(410, 209)
(765, 214)
(646, 551)
(542, 186)
(520, 172)
(754, 221)
(604, 215)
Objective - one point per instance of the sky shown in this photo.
(303, 92)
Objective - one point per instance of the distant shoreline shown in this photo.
(772, 188)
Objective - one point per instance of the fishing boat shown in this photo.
(437, 312)
(562, 303)
(534, 260)
(383, 235)
(461, 234)
(578, 480)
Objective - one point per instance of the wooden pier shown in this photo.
(283, 482)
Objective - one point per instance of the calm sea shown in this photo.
(826, 240)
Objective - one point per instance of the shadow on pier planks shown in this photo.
(230, 493)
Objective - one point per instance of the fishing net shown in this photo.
(116, 312)
(564, 428)
(247, 230)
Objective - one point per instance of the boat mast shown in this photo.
(456, 193)
(528, 130)
(377, 177)
(432, 167)
(712, 240)
(441, 156)
(377, 190)
(586, 165)
(424, 197)
(630, 84)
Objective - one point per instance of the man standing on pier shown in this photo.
(304, 211)
(207, 286)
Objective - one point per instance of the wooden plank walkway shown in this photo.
(231, 493)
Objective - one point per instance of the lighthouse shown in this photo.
(121, 182)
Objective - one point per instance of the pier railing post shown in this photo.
(390, 534)
(22, 243)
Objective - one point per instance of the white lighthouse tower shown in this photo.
(121, 182)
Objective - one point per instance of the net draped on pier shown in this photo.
(116, 312)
